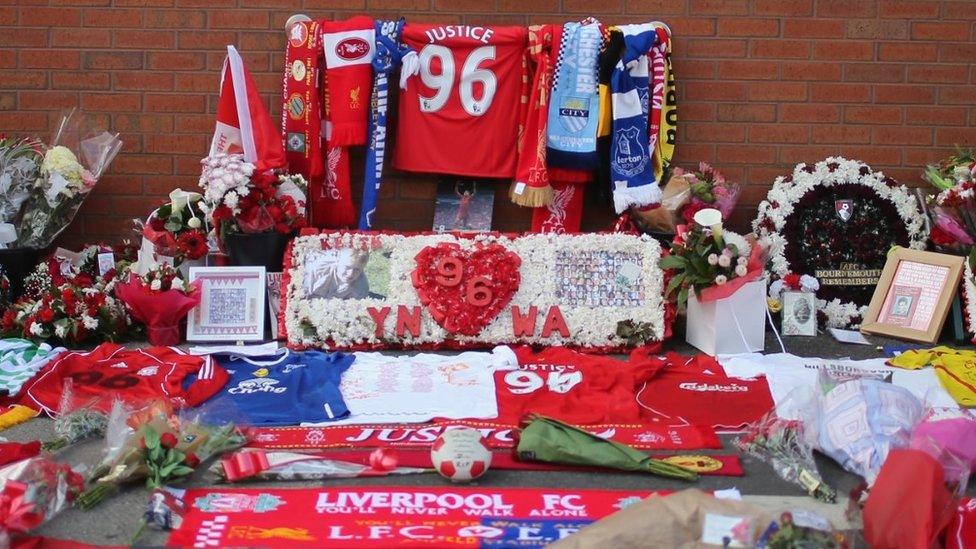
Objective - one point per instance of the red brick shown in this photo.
(21, 37)
(95, 60)
(904, 94)
(177, 20)
(957, 53)
(909, 9)
(116, 102)
(713, 48)
(778, 91)
(936, 116)
(175, 143)
(238, 19)
(811, 70)
(8, 101)
(24, 121)
(174, 103)
(116, 18)
(505, 6)
(906, 51)
(809, 113)
(783, 7)
(197, 82)
(952, 137)
(17, 80)
(779, 133)
(260, 41)
(695, 69)
(653, 7)
(928, 74)
(143, 80)
(877, 29)
(206, 40)
(874, 72)
(732, 112)
(702, 112)
(716, 91)
(177, 61)
(734, 69)
(718, 7)
(902, 136)
(88, 80)
(145, 40)
(841, 133)
(37, 16)
(813, 28)
(199, 123)
(8, 16)
(957, 10)
(954, 95)
(847, 8)
(744, 154)
(50, 59)
(872, 115)
(81, 38)
(47, 100)
(143, 123)
(748, 27)
(781, 49)
(8, 59)
(844, 50)
(942, 31)
(692, 26)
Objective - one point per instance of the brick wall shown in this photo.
(762, 84)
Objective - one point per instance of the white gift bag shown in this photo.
(735, 324)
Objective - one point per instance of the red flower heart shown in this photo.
(465, 290)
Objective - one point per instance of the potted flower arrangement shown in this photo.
(176, 233)
(253, 212)
(716, 276)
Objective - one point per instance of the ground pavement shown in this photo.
(117, 519)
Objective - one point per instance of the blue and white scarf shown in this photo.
(389, 51)
(574, 107)
(631, 168)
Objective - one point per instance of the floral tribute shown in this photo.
(239, 198)
(709, 189)
(353, 290)
(160, 299)
(836, 220)
(953, 209)
(178, 228)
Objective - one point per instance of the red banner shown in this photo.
(392, 516)
(498, 435)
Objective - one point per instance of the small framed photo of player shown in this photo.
(231, 304)
(913, 296)
(799, 314)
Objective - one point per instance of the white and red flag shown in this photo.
(243, 123)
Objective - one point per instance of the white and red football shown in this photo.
(460, 454)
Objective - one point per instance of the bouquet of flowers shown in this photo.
(781, 443)
(32, 491)
(160, 299)
(177, 229)
(709, 189)
(20, 164)
(155, 446)
(953, 210)
(76, 158)
(709, 261)
(75, 423)
(240, 199)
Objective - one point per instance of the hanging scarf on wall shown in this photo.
(531, 186)
(301, 113)
(388, 53)
(668, 131)
(564, 214)
(613, 46)
(348, 47)
(631, 166)
(574, 106)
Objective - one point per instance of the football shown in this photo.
(460, 454)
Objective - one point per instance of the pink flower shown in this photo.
(712, 259)
(724, 260)
(721, 279)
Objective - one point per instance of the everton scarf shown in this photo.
(531, 186)
(388, 53)
(301, 115)
(574, 108)
(631, 167)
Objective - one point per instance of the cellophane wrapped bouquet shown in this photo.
(176, 231)
(32, 491)
(20, 165)
(160, 299)
(72, 163)
(953, 210)
(709, 189)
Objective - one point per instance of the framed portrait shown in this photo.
(799, 314)
(274, 302)
(913, 295)
(231, 304)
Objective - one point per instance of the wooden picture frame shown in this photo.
(913, 295)
(231, 306)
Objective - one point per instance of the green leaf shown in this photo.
(155, 453)
(673, 262)
(167, 470)
(152, 438)
(182, 471)
(675, 283)
(700, 265)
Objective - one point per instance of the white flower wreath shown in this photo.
(969, 297)
(787, 192)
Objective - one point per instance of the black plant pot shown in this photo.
(257, 250)
(18, 263)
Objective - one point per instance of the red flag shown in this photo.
(243, 123)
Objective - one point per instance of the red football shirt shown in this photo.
(133, 375)
(459, 114)
(573, 387)
(696, 389)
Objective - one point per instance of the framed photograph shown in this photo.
(464, 205)
(913, 295)
(799, 314)
(274, 302)
(231, 304)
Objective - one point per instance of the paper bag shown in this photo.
(732, 325)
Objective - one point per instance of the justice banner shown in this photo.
(392, 516)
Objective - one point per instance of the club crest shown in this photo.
(844, 209)
(630, 157)
(574, 113)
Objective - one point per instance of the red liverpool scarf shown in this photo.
(564, 214)
(301, 112)
(531, 186)
(349, 47)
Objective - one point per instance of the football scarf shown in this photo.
(631, 167)
(301, 114)
(348, 47)
(667, 130)
(656, 59)
(564, 214)
(609, 56)
(574, 109)
(330, 200)
(389, 51)
(531, 187)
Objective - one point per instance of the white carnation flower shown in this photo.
(156, 284)
(89, 322)
(36, 329)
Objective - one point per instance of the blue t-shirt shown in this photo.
(285, 389)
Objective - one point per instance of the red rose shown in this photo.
(9, 318)
(191, 460)
(792, 281)
(168, 440)
(45, 315)
(157, 224)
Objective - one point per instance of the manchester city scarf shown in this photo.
(301, 115)
(574, 106)
(631, 166)
(388, 53)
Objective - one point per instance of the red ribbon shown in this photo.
(383, 460)
(243, 465)
(16, 514)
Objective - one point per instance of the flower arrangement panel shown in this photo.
(836, 220)
(352, 290)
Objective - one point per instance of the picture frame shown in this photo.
(274, 303)
(799, 314)
(913, 295)
(231, 306)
